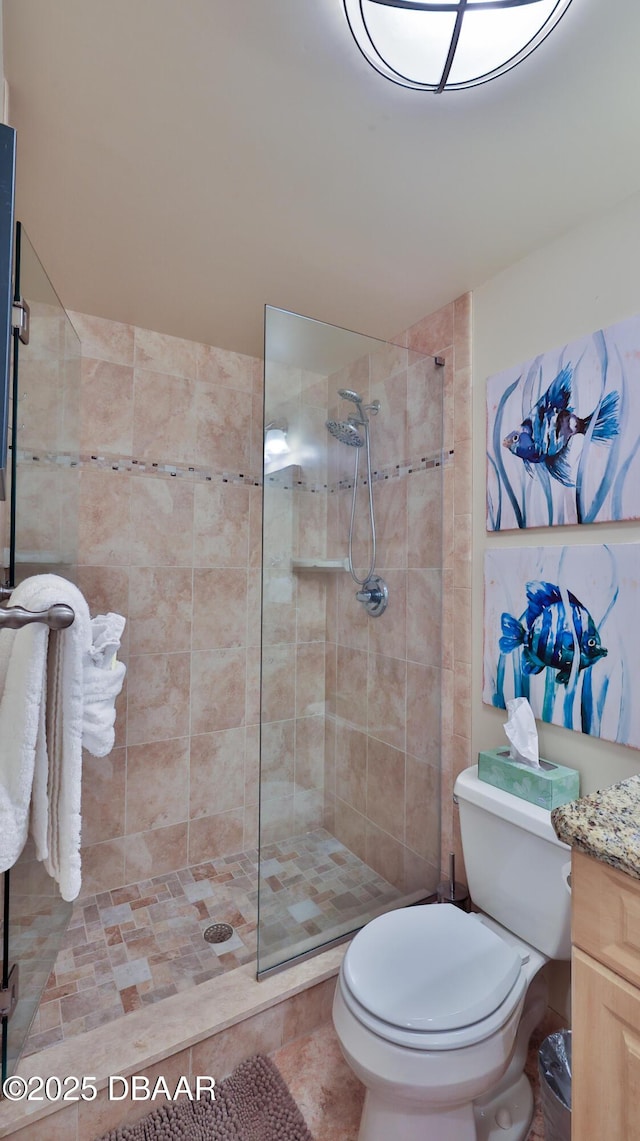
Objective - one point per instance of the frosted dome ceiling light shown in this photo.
(452, 44)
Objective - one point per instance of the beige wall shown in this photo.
(384, 674)
(571, 287)
(390, 742)
(179, 556)
(448, 333)
(582, 282)
(294, 611)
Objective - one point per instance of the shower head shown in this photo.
(349, 394)
(345, 432)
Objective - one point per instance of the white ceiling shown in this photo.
(183, 162)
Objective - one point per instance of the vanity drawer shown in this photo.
(606, 915)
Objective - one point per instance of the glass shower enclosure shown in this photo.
(40, 536)
(351, 634)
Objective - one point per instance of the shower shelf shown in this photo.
(44, 557)
(319, 564)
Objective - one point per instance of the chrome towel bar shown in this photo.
(57, 617)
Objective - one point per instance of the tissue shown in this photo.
(520, 728)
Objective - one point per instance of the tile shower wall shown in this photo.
(181, 783)
(170, 536)
(448, 333)
(372, 769)
(294, 611)
(391, 764)
(385, 673)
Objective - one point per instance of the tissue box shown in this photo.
(548, 786)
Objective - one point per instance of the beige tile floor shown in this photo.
(136, 945)
(330, 1097)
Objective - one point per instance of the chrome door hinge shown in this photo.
(21, 319)
(9, 994)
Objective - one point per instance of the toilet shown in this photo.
(434, 1007)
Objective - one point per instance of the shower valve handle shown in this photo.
(366, 596)
(374, 596)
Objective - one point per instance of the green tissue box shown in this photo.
(548, 786)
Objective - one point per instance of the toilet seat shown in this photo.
(431, 978)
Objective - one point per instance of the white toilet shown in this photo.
(434, 1007)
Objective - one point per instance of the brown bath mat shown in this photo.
(254, 1104)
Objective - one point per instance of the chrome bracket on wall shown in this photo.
(21, 319)
(10, 993)
(374, 596)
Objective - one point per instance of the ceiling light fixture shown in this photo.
(449, 45)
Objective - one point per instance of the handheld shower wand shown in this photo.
(374, 593)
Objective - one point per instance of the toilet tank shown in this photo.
(517, 869)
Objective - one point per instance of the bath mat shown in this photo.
(254, 1104)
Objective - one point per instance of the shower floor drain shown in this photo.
(218, 933)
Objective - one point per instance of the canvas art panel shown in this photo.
(563, 434)
(562, 628)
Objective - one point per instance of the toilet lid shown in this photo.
(430, 968)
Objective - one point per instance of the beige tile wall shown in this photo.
(294, 611)
(448, 333)
(384, 674)
(179, 556)
(379, 681)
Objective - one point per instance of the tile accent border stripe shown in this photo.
(159, 469)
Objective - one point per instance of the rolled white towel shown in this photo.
(103, 676)
(106, 633)
(101, 687)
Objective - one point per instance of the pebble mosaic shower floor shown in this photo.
(136, 945)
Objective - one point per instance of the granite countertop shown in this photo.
(605, 825)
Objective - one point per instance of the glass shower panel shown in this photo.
(41, 537)
(350, 699)
(47, 431)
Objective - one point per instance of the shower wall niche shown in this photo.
(351, 704)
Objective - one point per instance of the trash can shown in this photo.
(554, 1067)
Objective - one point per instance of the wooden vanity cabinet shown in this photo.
(605, 990)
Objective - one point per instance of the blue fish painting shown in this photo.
(549, 635)
(546, 432)
(563, 435)
(562, 628)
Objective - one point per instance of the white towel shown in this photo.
(22, 674)
(58, 691)
(103, 678)
(57, 775)
(106, 632)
